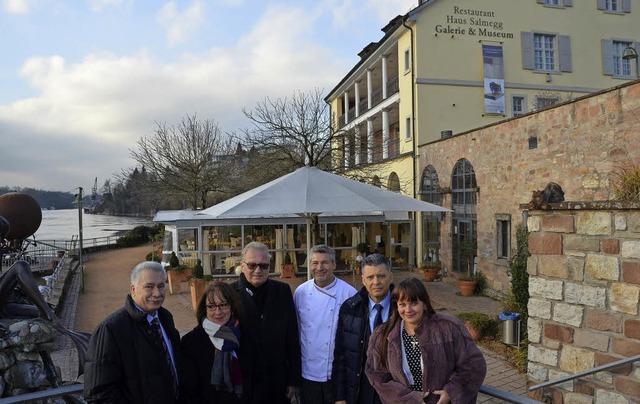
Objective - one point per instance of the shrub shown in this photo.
(484, 323)
(198, 271)
(153, 257)
(136, 236)
(482, 282)
(626, 182)
(519, 276)
(362, 248)
(174, 262)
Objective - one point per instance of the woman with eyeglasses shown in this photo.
(423, 356)
(219, 361)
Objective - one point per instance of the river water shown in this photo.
(63, 224)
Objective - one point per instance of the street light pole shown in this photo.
(79, 201)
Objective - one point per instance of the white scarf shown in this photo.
(218, 333)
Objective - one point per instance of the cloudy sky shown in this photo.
(82, 80)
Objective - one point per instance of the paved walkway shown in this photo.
(106, 283)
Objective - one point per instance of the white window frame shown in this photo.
(614, 6)
(545, 52)
(407, 60)
(612, 63)
(523, 99)
(538, 52)
(621, 67)
(408, 126)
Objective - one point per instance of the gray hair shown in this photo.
(254, 245)
(323, 249)
(376, 260)
(146, 266)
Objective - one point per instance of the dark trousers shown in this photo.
(316, 392)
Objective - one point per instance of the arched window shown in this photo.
(376, 181)
(431, 221)
(464, 197)
(394, 182)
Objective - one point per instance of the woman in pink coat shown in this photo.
(423, 356)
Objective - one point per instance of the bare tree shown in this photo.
(290, 133)
(183, 159)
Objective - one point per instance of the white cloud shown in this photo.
(85, 115)
(99, 5)
(231, 3)
(21, 7)
(180, 26)
(352, 13)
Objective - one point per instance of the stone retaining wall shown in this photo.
(584, 291)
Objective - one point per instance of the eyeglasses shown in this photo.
(254, 265)
(220, 306)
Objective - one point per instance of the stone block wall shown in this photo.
(580, 144)
(584, 286)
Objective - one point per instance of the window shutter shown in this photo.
(607, 57)
(527, 50)
(601, 5)
(564, 43)
(568, 3)
(626, 6)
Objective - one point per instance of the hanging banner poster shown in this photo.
(493, 79)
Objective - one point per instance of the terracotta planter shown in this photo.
(197, 287)
(467, 288)
(175, 279)
(475, 333)
(287, 271)
(430, 274)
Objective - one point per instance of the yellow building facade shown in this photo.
(450, 66)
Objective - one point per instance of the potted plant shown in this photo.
(176, 274)
(197, 284)
(468, 283)
(430, 270)
(287, 269)
(399, 262)
(480, 325)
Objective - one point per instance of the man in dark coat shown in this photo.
(358, 317)
(270, 313)
(130, 358)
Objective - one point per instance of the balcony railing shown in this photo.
(376, 98)
(392, 86)
(394, 147)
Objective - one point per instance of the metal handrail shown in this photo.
(506, 395)
(42, 394)
(78, 389)
(585, 373)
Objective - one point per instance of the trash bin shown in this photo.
(510, 327)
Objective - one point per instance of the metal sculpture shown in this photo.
(20, 217)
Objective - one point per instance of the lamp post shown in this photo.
(79, 202)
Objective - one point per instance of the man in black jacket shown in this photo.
(359, 315)
(132, 358)
(270, 313)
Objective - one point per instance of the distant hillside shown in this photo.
(46, 199)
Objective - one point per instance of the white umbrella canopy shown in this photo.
(309, 191)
